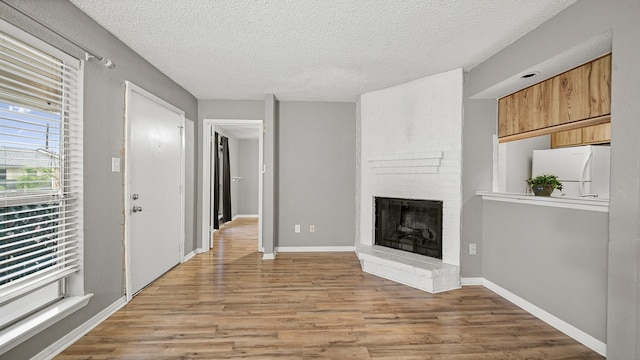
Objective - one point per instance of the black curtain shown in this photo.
(226, 181)
(215, 182)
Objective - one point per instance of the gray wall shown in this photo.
(248, 151)
(235, 192)
(317, 173)
(582, 21)
(478, 126)
(270, 203)
(103, 134)
(555, 258)
(230, 109)
(358, 169)
(190, 186)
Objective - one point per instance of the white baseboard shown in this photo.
(244, 216)
(271, 256)
(568, 329)
(189, 256)
(316, 248)
(471, 281)
(64, 342)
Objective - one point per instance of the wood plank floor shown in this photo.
(228, 304)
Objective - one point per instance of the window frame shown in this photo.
(73, 296)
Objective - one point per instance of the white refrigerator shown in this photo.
(582, 170)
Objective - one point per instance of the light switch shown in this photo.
(115, 164)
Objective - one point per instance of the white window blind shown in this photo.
(40, 174)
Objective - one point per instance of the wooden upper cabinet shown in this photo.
(578, 94)
(595, 134)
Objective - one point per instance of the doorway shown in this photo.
(154, 183)
(243, 129)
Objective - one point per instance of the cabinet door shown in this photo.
(574, 99)
(508, 115)
(526, 110)
(585, 91)
(546, 104)
(566, 138)
(596, 134)
(600, 86)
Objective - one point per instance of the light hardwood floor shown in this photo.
(229, 304)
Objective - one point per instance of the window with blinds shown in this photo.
(40, 177)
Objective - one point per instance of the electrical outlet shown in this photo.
(297, 228)
(472, 249)
(312, 228)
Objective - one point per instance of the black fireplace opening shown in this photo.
(410, 225)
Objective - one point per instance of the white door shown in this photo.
(154, 179)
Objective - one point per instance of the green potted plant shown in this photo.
(543, 185)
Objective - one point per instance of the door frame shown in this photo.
(208, 126)
(129, 89)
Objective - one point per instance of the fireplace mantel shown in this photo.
(411, 163)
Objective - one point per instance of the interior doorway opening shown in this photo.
(243, 137)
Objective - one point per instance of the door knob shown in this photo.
(136, 208)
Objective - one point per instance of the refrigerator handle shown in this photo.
(584, 169)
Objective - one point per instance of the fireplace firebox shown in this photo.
(410, 225)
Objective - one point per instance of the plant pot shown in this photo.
(542, 190)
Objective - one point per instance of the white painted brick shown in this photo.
(403, 119)
(427, 274)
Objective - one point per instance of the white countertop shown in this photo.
(590, 204)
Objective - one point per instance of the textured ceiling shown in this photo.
(329, 50)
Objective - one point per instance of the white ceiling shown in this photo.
(329, 50)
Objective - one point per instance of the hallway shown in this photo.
(228, 303)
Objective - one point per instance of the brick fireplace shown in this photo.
(410, 147)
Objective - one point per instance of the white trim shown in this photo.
(21, 331)
(471, 281)
(64, 342)
(205, 208)
(298, 249)
(189, 256)
(129, 89)
(591, 204)
(271, 256)
(568, 329)
(245, 216)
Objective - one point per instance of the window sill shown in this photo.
(589, 204)
(16, 334)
